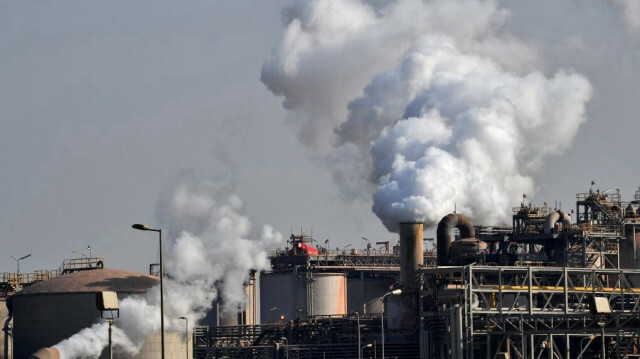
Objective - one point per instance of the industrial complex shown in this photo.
(554, 284)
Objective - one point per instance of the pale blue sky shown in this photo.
(103, 103)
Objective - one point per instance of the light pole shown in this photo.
(286, 347)
(144, 227)
(186, 334)
(393, 292)
(19, 259)
(359, 350)
(366, 346)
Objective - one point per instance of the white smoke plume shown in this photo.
(209, 250)
(427, 105)
(629, 11)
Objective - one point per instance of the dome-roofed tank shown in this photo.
(55, 309)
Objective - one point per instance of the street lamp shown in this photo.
(186, 334)
(286, 346)
(144, 227)
(19, 259)
(358, 318)
(393, 292)
(366, 346)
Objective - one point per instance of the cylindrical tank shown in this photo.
(630, 251)
(328, 294)
(282, 296)
(50, 311)
(294, 294)
(4, 315)
(365, 291)
(46, 353)
(411, 257)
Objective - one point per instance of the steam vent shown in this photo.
(552, 284)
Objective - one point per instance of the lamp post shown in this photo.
(366, 346)
(393, 292)
(286, 346)
(358, 321)
(144, 227)
(19, 259)
(359, 349)
(186, 334)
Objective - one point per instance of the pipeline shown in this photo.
(445, 227)
(556, 216)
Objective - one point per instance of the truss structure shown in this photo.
(529, 312)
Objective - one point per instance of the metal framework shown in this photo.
(529, 312)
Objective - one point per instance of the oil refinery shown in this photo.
(554, 284)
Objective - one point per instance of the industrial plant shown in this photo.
(554, 284)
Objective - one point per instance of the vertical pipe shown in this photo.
(459, 332)
(604, 351)
(161, 295)
(110, 342)
(6, 329)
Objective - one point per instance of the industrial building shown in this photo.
(554, 284)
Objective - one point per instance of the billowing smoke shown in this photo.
(428, 105)
(209, 250)
(630, 12)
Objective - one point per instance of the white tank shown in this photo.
(328, 294)
(291, 295)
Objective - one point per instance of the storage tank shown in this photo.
(365, 291)
(4, 316)
(295, 294)
(328, 294)
(630, 251)
(55, 309)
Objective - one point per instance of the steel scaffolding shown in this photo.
(529, 312)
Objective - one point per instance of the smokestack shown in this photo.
(445, 227)
(411, 253)
(46, 353)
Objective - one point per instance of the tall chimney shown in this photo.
(411, 253)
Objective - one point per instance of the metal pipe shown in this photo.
(6, 330)
(445, 227)
(556, 216)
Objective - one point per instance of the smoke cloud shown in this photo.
(630, 12)
(428, 106)
(209, 250)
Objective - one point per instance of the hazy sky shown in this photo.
(104, 103)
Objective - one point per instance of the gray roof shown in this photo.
(92, 281)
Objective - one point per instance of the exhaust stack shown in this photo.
(411, 253)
